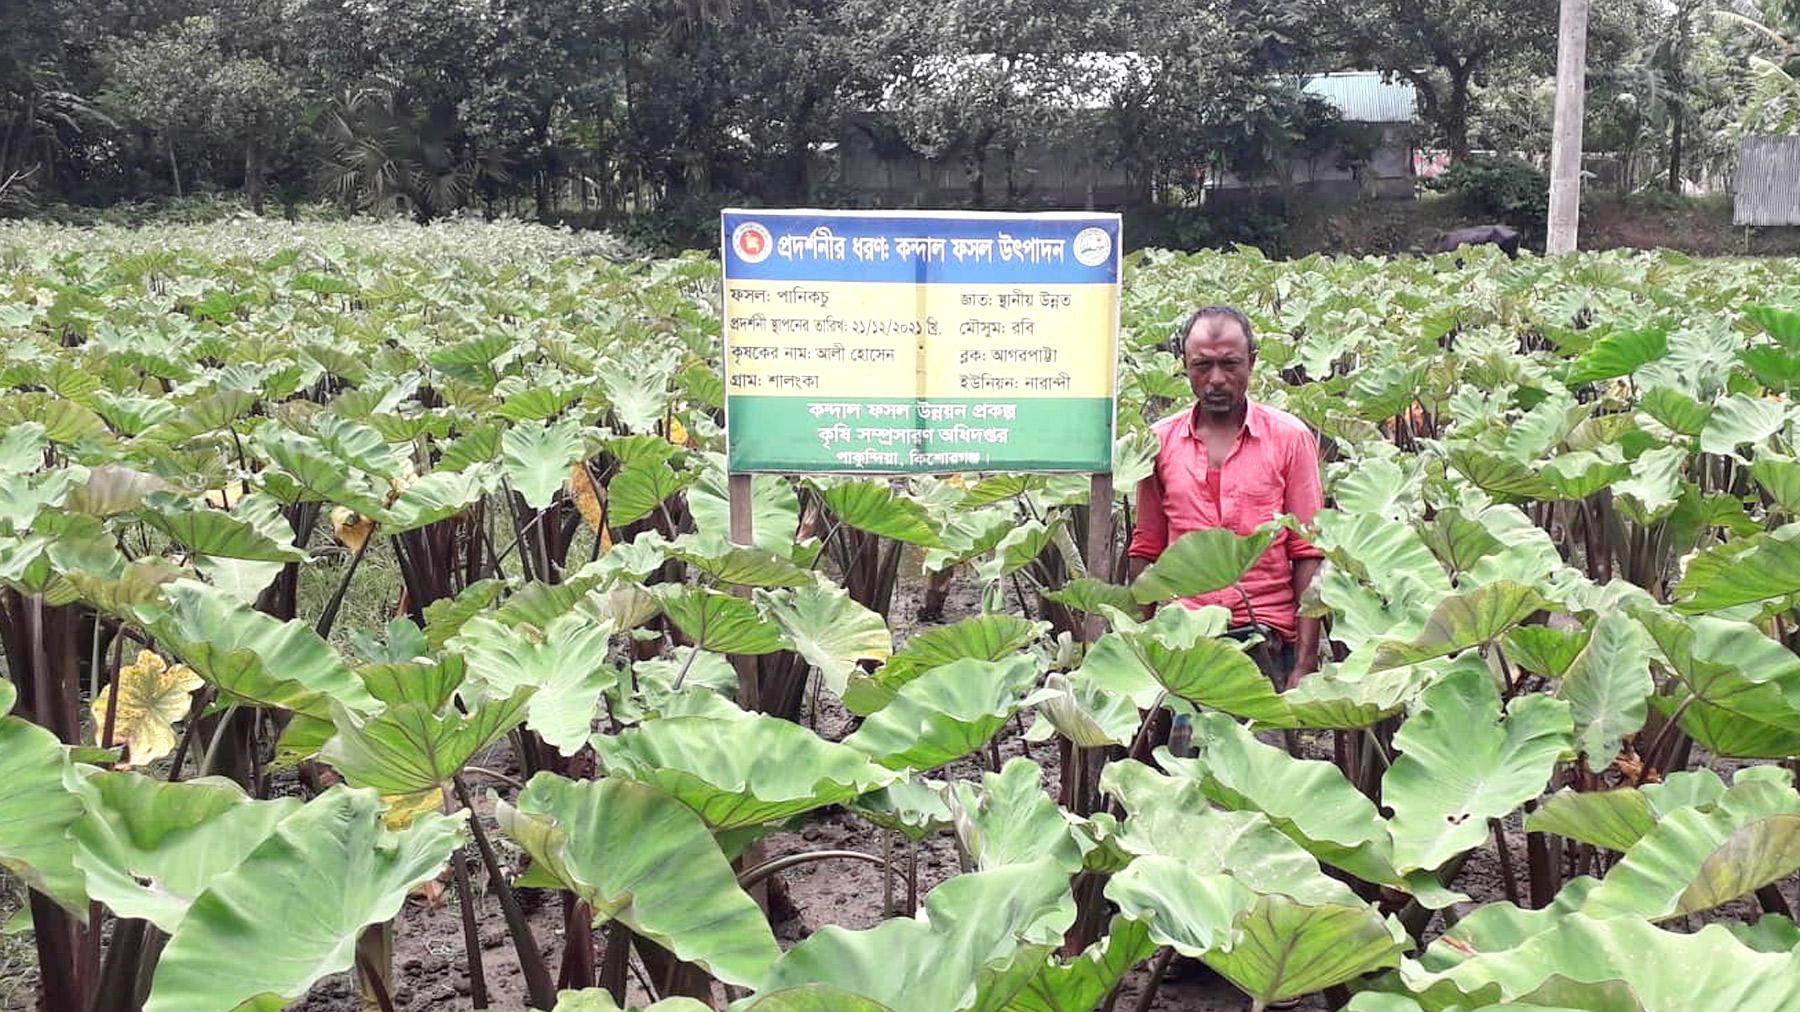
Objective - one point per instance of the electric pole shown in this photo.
(1565, 138)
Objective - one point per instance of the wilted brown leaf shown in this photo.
(351, 528)
(589, 498)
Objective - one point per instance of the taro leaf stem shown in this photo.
(328, 617)
(751, 876)
(1157, 969)
(538, 986)
(465, 902)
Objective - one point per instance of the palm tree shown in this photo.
(377, 148)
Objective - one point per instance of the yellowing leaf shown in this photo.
(227, 495)
(152, 697)
(588, 497)
(351, 527)
(678, 433)
(399, 810)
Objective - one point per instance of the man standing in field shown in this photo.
(1228, 461)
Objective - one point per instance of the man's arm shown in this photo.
(1306, 634)
(1305, 497)
(1151, 533)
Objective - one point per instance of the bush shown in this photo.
(1507, 191)
(1259, 220)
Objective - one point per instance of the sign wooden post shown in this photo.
(738, 496)
(1099, 542)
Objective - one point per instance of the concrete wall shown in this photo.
(1074, 176)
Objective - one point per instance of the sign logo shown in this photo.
(1092, 247)
(752, 242)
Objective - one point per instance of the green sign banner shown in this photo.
(920, 342)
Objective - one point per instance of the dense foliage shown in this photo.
(578, 110)
(1561, 585)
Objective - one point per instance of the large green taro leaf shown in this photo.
(1462, 764)
(1200, 562)
(1737, 691)
(982, 637)
(980, 940)
(250, 656)
(1607, 686)
(1231, 889)
(1619, 818)
(1739, 419)
(945, 713)
(290, 913)
(914, 808)
(636, 491)
(871, 505)
(433, 497)
(1085, 713)
(1616, 964)
(566, 664)
(1466, 620)
(1169, 817)
(1010, 820)
(718, 621)
(214, 532)
(1211, 672)
(742, 771)
(37, 810)
(535, 457)
(829, 629)
(1307, 799)
(1780, 477)
(1382, 581)
(311, 472)
(1742, 571)
(409, 748)
(1381, 487)
(1282, 949)
(1693, 860)
(614, 843)
(735, 564)
(1618, 354)
(774, 509)
(1082, 984)
(149, 848)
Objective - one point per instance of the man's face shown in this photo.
(1218, 365)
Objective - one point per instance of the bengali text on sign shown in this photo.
(919, 342)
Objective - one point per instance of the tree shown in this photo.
(1445, 49)
(966, 79)
(1769, 43)
(192, 81)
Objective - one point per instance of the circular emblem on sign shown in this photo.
(1092, 247)
(752, 242)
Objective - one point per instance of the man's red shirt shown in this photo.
(1272, 469)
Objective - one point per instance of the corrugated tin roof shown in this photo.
(1363, 97)
(1768, 181)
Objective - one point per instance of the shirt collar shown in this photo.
(1256, 420)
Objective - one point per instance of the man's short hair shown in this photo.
(1178, 343)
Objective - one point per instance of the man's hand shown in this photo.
(1302, 668)
(1306, 638)
(1134, 568)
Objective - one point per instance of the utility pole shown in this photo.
(1565, 138)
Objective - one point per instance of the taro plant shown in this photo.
(342, 568)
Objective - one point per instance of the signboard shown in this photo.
(920, 341)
